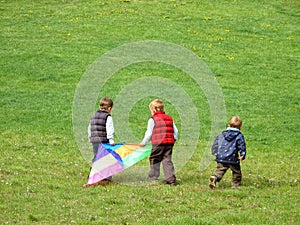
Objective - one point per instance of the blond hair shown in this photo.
(157, 105)
(235, 122)
(106, 103)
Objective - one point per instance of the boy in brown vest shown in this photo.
(101, 127)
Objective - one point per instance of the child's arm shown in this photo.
(110, 130)
(175, 131)
(241, 146)
(148, 132)
(215, 146)
(89, 132)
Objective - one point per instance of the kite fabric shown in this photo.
(111, 160)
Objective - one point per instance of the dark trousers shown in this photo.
(236, 172)
(162, 154)
(95, 147)
(95, 150)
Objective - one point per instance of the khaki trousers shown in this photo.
(236, 172)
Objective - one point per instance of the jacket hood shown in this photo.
(231, 134)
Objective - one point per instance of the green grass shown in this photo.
(252, 47)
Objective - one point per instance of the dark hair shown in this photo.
(106, 102)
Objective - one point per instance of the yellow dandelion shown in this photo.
(228, 31)
(266, 25)
(210, 45)
(230, 57)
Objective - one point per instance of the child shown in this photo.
(101, 127)
(163, 134)
(229, 148)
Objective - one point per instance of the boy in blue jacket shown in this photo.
(230, 149)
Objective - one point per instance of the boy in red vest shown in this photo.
(162, 132)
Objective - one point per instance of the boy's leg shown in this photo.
(95, 147)
(95, 150)
(220, 171)
(155, 160)
(168, 167)
(236, 175)
(218, 174)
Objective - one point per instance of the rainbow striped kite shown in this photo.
(111, 160)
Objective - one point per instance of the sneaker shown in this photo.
(153, 180)
(212, 183)
(104, 182)
(174, 183)
(235, 185)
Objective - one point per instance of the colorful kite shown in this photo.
(111, 160)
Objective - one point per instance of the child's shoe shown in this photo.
(153, 180)
(212, 183)
(174, 183)
(233, 185)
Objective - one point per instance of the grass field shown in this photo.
(252, 47)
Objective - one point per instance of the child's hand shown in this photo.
(241, 158)
(141, 145)
(111, 142)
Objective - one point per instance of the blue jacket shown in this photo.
(228, 146)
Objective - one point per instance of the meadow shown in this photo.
(252, 48)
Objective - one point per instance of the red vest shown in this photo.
(163, 131)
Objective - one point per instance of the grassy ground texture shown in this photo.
(252, 47)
